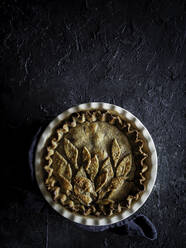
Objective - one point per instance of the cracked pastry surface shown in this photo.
(94, 163)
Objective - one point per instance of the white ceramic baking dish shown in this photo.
(150, 175)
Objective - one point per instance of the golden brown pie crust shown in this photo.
(94, 163)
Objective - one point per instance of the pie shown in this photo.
(94, 163)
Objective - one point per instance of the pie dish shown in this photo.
(94, 163)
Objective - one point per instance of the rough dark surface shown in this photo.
(55, 55)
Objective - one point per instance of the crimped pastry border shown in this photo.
(152, 158)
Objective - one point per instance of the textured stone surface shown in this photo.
(56, 55)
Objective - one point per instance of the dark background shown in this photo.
(58, 54)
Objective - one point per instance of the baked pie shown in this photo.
(94, 163)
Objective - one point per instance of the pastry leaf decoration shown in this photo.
(65, 184)
(101, 181)
(86, 157)
(124, 166)
(92, 182)
(83, 187)
(71, 152)
(92, 168)
(116, 151)
(61, 166)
